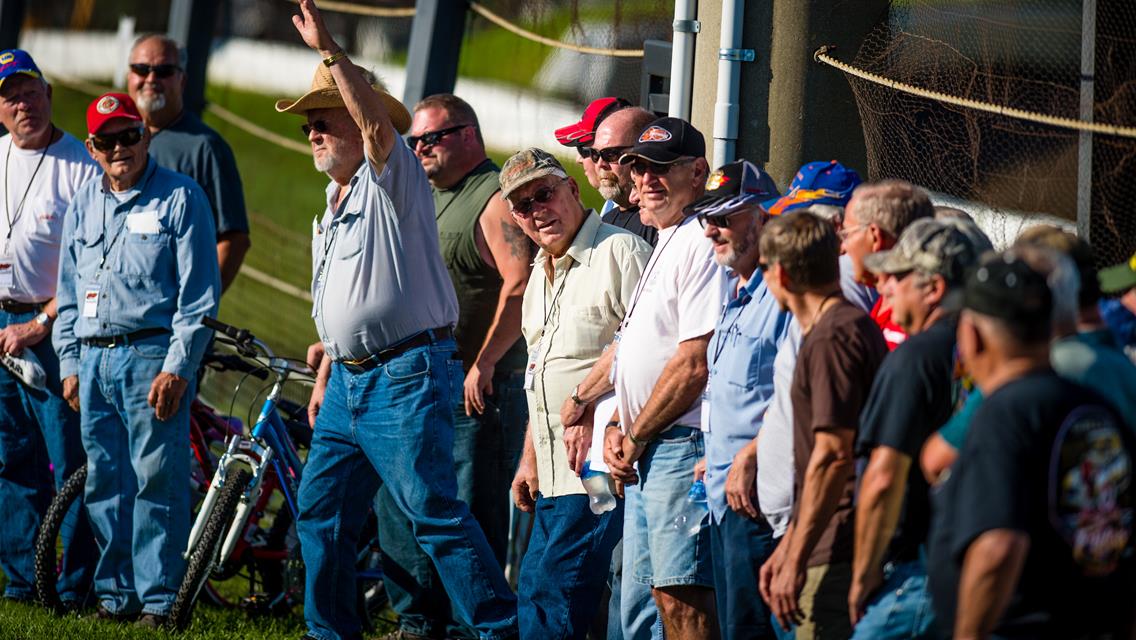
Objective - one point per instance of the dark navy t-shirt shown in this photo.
(1050, 459)
(189, 146)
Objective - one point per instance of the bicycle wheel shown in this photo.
(47, 539)
(203, 559)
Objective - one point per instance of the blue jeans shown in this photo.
(392, 425)
(563, 572)
(632, 613)
(486, 449)
(901, 607)
(739, 546)
(663, 555)
(137, 489)
(39, 439)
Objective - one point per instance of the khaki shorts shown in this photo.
(824, 603)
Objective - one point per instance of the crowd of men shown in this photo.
(829, 413)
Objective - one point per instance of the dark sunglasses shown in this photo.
(126, 138)
(319, 126)
(542, 196)
(160, 70)
(720, 220)
(585, 152)
(609, 155)
(641, 166)
(434, 137)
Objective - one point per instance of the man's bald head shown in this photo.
(617, 133)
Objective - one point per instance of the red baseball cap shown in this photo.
(108, 107)
(582, 133)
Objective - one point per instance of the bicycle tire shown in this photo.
(46, 560)
(203, 559)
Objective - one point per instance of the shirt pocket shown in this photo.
(347, 246)
(749, 363)
(585, 330)
(145, 254)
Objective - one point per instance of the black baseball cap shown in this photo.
(665, 141)
(1005, 287)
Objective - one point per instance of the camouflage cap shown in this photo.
(929, 246)
(526, 166)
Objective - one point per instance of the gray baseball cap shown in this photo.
(526, 166)
(930, 246)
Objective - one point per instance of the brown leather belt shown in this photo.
(422, 339)
(13, 306)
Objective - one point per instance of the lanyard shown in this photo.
(107, 246)
(20, 207)
(721, 337)
(555, 297)
(646, 273)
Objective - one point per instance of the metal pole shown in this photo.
(435, 46)
(11, 21)
(730, 58)
(682, 58)
(1085, 139)
(191, 25)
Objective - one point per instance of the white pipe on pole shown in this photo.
(729, 78)
(682, 58)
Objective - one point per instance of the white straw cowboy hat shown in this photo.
(325, 95)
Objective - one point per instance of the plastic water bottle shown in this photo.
(598, 486)
(689, 521)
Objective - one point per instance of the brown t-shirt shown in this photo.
(835, 366)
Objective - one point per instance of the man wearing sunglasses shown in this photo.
(43, 169)
(384, 308)
(181, 142)
(582, 134)
(137, 274)
(576, 298)
(660, 373)
(615, 135)
(751, 329)
(488, 258)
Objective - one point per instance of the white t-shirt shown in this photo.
(775, 469)
(679, 297)
(33, 250)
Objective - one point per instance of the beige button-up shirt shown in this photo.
(567, 321)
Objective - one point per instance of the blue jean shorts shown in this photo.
(663, 555)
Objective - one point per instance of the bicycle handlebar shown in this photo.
(248, 345)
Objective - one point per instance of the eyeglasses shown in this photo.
(542, 196)
(160, 70)
(641, 166)
(720, 220)
(319, 126)
(126, 138)
(847, 232)
(434, 137)
(609, 155)
(585, 152)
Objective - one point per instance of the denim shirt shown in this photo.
(740, 357)
(159, 271)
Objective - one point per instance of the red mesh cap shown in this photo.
(582, 133)
(108, 107)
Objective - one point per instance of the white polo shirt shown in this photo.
(678, 298)
(36, 226)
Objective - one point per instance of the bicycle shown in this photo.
(208, 432)
(227, 528)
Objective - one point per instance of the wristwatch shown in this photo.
(576, 396)
(43, 319)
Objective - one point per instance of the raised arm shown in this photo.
(363, 103)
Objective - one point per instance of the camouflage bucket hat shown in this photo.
(928, 246)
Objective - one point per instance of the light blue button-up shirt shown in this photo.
(149, 257)
(740, 356)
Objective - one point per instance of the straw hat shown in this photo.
(325, 95)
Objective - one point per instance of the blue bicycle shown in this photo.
(258, 472)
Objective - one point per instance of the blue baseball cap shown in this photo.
(13, 61)
(816, 183)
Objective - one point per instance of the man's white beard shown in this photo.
(150, 105)
(611, 189)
